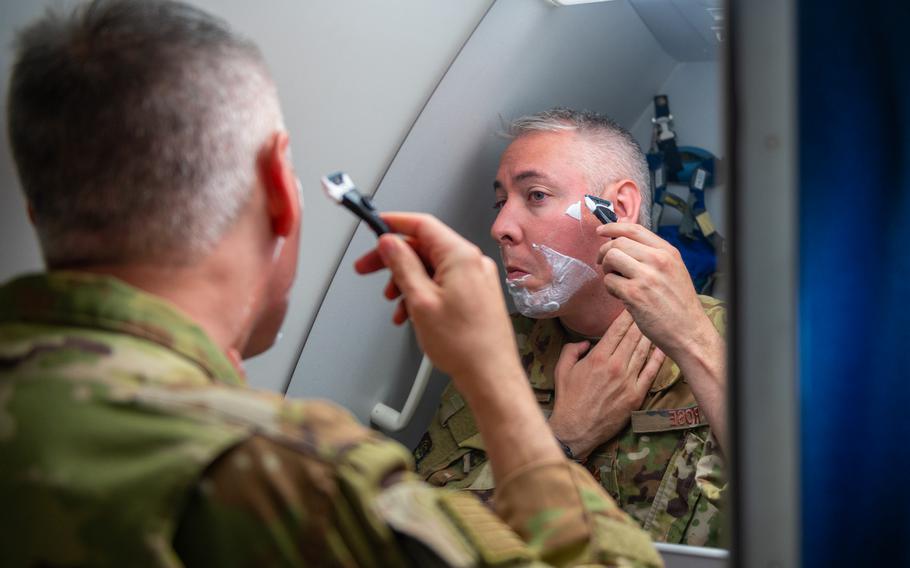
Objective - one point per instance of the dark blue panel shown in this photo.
(854, 128)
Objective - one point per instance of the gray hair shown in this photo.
(135, 127)
(614, 154)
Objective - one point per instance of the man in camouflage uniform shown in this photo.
(149, 144)
(637, 421)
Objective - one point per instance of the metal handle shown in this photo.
(390, 419)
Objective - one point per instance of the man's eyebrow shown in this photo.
(521, 176)
(528, 174)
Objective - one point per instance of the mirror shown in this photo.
(411, 104)
(523, 57)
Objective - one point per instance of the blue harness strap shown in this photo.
(697, 253)
(696, 237)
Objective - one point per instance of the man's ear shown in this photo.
(626, 200)
(277, 175)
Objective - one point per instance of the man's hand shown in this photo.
(451, 294)
(597, 392)
(648, 275)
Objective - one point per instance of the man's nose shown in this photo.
(506, 229)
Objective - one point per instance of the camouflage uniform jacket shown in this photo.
(664, 469)
(127, 438)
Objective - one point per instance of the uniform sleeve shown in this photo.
(710, 470)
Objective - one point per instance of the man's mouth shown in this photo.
(515, 273)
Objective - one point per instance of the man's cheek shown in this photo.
(589, 224)
(558, 233)
(571, 241)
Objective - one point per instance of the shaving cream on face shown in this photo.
(574, 211)
(569, 275)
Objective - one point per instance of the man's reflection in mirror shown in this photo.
(626, 360)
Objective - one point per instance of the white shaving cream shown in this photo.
(569, 274)
(574, 211)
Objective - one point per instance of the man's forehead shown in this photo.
(519, 176)
(539, 156)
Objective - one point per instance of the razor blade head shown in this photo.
(601, 208)
(336, 185)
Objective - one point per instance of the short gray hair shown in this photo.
(615, 154)
(135, 126)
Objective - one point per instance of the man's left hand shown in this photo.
(597, 390)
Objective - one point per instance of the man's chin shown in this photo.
(527, 282)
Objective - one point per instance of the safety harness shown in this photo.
(696, 237)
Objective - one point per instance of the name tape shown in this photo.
(667, 419)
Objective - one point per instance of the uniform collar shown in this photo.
(540, 343)
(104, 302)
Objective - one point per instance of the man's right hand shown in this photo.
(597, 392)
(450, 292)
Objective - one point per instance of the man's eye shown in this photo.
(499, 203)
(537, 195)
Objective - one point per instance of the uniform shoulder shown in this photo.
(710, 302)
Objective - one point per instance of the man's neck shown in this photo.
(591, 312)
(207, 293)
